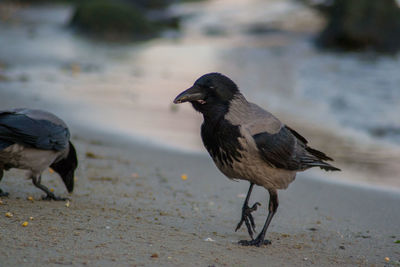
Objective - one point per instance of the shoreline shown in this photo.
(80, 83)
(316, 136)
(313, 173)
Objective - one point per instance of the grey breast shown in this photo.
(253, 120)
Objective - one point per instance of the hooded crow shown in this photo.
(247, 142)
(34, 140)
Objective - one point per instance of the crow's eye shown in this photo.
(211, 87)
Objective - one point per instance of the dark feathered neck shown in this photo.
(216, 111)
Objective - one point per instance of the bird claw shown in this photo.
(248, 219)
(3, 194)
(258, 242)
(49, 197)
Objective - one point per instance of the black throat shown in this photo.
(211, 110)
(220, 138)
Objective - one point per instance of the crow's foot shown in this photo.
(53, 197)
(247, 218)
(258, 242)
(3, 194)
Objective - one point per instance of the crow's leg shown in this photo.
(247, 218)
(2, 193)
(272, 207)
(49, 195)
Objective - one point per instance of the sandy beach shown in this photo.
(131, 206)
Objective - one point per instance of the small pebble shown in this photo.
(387, 259)
(154, 255)
(9, 214)
(30, 198)
(31, 218)
(25, 224)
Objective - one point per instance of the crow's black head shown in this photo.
(66, 168)
(211, 91)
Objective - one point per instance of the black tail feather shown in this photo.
(316, 159)
(323, 165)
(318, 154)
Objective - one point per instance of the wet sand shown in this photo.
(131, 207)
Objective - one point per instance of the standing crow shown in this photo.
(35, 140)
(246, 142)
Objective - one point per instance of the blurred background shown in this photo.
(329, 69)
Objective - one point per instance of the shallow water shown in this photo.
(348, 105)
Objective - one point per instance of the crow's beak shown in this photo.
(69, 181)
(192, 94)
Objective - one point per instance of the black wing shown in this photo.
(279, 149)
(298, 136)
(288, 150)
(43, 134)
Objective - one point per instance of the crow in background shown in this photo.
(246, 142)
(35, 140)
